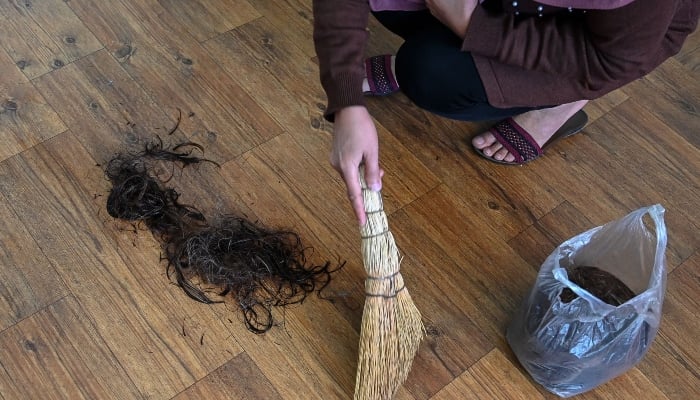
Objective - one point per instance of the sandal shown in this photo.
(380, 77)
(520, 144)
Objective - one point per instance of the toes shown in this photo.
(493, 149)
(483, 140)
(501, 154)
(490, 147)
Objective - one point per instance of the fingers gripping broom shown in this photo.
(391, 324)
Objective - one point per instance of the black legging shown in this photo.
(435, 73)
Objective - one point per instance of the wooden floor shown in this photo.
(87, 311)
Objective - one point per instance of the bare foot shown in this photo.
(540, 124)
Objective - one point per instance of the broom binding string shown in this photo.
(391, 328)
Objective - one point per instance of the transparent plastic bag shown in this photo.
(570, 348)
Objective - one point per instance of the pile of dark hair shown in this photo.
(601, 284)
(258, 267)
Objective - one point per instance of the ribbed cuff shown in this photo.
(343, 91)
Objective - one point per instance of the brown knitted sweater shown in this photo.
(557, 58)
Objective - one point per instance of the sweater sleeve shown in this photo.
(340, 37)
(598, 47)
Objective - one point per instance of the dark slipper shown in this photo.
(520, 144)
(381, 80)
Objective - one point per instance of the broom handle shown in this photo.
(379, 250)
(377, 224)
(372, 200)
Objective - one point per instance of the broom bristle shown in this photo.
(392, 328)
(389, 340)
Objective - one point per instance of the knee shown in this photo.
(425, 76)
(416, 71)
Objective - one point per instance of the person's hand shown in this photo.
(455, 14)
(355, 142)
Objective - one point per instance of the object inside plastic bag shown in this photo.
(601, 284)
(573, 346)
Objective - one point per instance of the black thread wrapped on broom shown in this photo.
(259, 267)
(392, 328)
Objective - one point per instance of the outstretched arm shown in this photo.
(340, 37)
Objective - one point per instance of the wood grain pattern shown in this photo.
(538, 241)
(87, 309)
(293, 17)
(178, 73)
(28, 282)
(486, 294)
(239, 378)
(58, 354)
(674, 98)
(95, 271)
(25, 117)
(443, 147)
(105, 108)
(41, 36)
(492, 377)
(273, 68)
(205, 19)
(689, 55)
(674, 348)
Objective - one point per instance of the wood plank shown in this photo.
(198, 327)
(251, 123)
(509, 198)
(28, 281)
(673, 361)
(205, 19)
(663, 154)
(493, 377)
(454, 324)
(118, 296)
(294, 18)
(615, 187)
(476, 266)
(631, 385)
(298, 198)
(538, 241)
(603, 105)
(177, 72)
(622, 175)
(107, 109)
(689, 55)
(304, 190)
(25, 117)
(285, 80)
(41, 36)
(58, 353)
(672, 94)
(239, 378)
(663, 150)
(312, 351)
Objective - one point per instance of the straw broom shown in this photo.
(391, 324)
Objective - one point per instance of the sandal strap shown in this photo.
(516, 140)
(379, 76)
